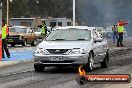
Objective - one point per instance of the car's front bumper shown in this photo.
(65, 59)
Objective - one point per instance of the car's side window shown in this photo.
(28, 31)
(99, 35)
(94, 34)
(102, 35)
(31, 31)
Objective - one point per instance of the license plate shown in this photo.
(56, 59)
(10, 40)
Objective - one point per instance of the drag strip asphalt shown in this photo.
(22, 75)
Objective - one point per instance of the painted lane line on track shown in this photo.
(20, 55)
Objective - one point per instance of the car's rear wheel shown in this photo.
(105, 62)
(34, 43)
(89, 65)
(24, 43)
(39, 67)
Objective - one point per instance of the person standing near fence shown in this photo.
(5, 33)
(120, 25)
(43, 30)
(115, 33)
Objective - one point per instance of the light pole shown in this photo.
(74, 13)
(37, 2)
(8, 11)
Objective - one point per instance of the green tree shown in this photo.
(52, 8)
(45, 8)
(17, 8)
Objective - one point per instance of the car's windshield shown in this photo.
(11, 29)
(69, 34)
(18, 30)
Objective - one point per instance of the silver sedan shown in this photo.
(72, 46)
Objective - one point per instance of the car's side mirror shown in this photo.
(98, 40)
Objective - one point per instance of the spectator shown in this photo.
(5, 33)
(43, 30)
(115, 34)
(121, 24)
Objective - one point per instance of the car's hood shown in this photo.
(63, 44)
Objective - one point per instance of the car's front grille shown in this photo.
(57, 51)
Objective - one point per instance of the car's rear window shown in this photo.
(69, 34)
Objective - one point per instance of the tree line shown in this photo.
(42, 8)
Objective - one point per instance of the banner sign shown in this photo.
(101, 78)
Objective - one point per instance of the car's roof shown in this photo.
(77, 27)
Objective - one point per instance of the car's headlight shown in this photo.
(77, 51)
(44, 52)
(41, 51)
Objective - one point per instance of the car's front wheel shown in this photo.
(89, 65)
(24, 43)
(34, 43)
(39, 67)
(105, 62)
